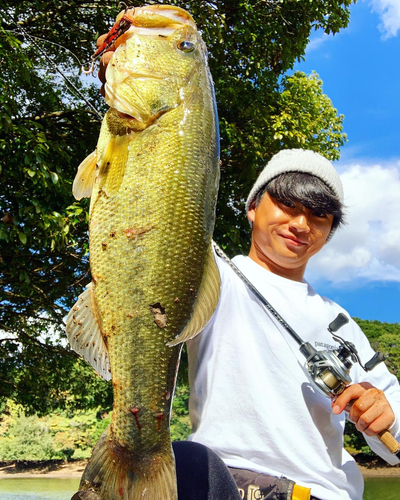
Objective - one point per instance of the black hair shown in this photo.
(308, 190)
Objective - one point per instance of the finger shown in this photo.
(384, 422)
(375, 420)
(371, 398)
(85, 495)
(367, 418)
(372, 412)
(351, 392)
(105, 59)
(100, 40)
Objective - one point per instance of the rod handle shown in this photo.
(389, 441)
(384, 436)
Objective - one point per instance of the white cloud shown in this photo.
(389, 12)
(368, 248)
(316, 42)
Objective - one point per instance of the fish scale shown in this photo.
(153, 183)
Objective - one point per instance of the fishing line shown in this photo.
(46, 41)
(31, 39)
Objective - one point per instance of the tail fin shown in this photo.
(112, 478)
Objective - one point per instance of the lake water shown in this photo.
(38, 489)
(382, 488)
(63, 489)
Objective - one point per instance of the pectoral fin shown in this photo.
(112, 164)
(84, 334)
(206, 303)
(85, 177)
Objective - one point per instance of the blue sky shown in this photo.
(360, 69)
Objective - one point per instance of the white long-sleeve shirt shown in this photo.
(251, 401)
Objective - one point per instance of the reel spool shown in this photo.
(330, 370)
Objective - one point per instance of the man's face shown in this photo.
(285, 237)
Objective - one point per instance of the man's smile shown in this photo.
(292, 240)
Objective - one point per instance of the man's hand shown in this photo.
(370, 410)
(86, 495)
(105, 59)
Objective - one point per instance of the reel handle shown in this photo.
(338, 322)
(384, 437)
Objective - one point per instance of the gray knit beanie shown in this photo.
(298, 160)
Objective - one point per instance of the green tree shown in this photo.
(47, 128)
(384, 337)
(67, 435)
(56, 436)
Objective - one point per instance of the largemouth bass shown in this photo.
(153, 183)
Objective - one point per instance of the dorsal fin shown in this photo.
(85, 177)
(206, 303)
(84, 334)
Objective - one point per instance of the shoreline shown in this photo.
(383, 472)
(57, 469)
(51, 469)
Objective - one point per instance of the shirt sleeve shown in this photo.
(381, 378)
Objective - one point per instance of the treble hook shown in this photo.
(90, 70)
(127, 7)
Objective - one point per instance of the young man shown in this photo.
(251, 400)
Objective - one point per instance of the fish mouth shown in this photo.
(125, 116)
(154, 20)
(158, 16)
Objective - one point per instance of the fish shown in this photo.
(153, 182)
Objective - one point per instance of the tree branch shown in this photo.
(58, 114)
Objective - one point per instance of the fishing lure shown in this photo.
(119, 28)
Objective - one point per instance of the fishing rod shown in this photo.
(32, 39)
(119, 28)
(328, 370)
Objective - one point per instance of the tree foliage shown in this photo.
(384, 337)
(66, 435)
(59, 435)
(47, 129)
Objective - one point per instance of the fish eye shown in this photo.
(186, 46)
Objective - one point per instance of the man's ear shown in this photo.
(252, 212)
